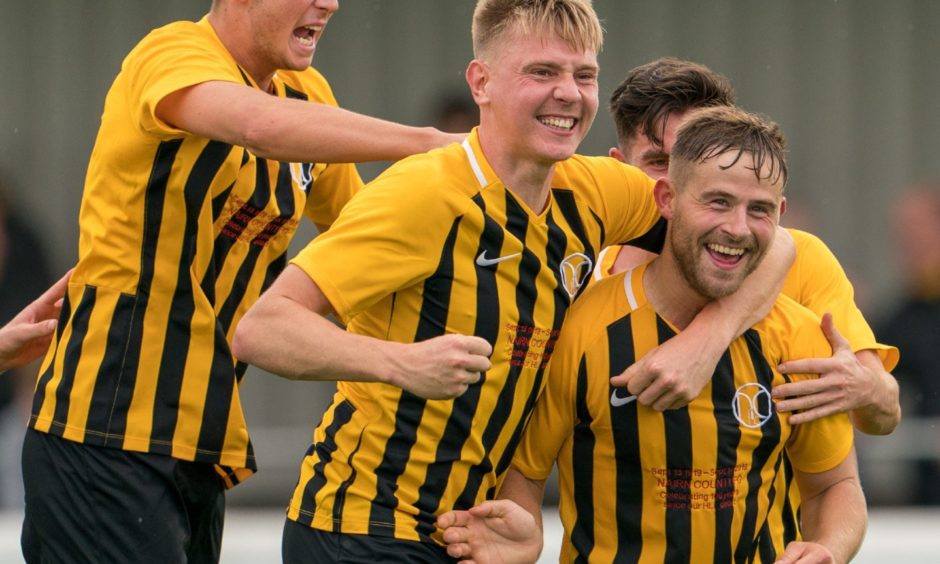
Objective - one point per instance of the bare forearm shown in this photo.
(292, 130)
(525, 492)
(882, 414)
(291, 341)
(836, 519)
(330, 134)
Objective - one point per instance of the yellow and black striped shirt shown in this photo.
(179, 235)
(816, 281)
(438, 245)
(696, 484)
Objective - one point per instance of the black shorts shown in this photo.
(94, 504)
(303, 544)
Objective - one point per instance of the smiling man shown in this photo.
(695, 484)
(453, 271)
(216, 139)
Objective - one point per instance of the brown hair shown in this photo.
(649, 93)
(573, 20)
(711, 132)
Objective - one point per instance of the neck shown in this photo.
(669, 294)
(528, 180)
(228, 24)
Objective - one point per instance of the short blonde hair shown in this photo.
(574, 21)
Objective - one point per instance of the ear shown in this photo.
(665, 195)
(616, 153)
(783, 206)
(478, 76)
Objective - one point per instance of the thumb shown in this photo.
(836, 340)
(621, 380)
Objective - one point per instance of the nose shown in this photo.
(328, 5)
(736, 224)
(566, 90)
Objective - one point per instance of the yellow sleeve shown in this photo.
(821, 444)
(171, 58)
(817, 281)
(622, 196)
(377, 246)
(331, 191)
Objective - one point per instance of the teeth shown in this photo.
(725, 250)
(560, 123)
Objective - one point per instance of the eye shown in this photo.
(587, 76)
(659, 163)
(759, 210)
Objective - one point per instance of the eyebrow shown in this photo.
(653, 153)
(724, 194)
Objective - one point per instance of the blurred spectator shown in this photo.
(23, 275)
(914, 326)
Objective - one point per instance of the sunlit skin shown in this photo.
(538, 98)
(722, 221)
(284, 35)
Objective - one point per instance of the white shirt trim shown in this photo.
(481, 178)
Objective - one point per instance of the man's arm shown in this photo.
(26, 337)
(292, 130)
(286, 333)
(505, 530)
(833, 515)
(849, 382)
(674, 373)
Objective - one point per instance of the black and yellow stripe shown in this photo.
(447, 248)
(703, 483)
(178, 237)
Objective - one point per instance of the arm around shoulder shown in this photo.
(292, 130)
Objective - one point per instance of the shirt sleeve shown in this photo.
(630, 211)
(169, 59)
(331, 191)
(377, 246)
(822, 444)
(818, 282)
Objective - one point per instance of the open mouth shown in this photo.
(725, 255)
(560, 123)
(307, 35)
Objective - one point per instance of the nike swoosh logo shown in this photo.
(483, 261)
(617, 401)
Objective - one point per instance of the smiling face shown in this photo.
(722, 219)
(284, 35)
(537, 97)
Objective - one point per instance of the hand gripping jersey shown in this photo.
(179, 235)
(438, 245)
(696, 484)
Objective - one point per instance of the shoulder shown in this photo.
(808, 245)
(438, 183)
(581, 171)
(310, 83)
(603, 303)
(182, 33)
(792, 330)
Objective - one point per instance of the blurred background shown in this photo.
(853, 83)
